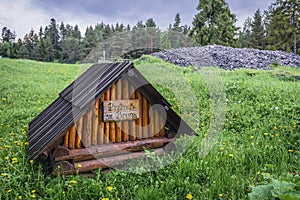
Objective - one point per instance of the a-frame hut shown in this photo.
(107, 115)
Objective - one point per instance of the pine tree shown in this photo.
(177, 22)
(214, 24)
(257, 37)
(283, 32)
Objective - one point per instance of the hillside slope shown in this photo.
(259, 133)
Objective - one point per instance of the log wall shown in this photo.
(90, 129)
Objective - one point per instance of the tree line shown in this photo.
(276, 28)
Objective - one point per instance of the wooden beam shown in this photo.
(125, 124)
(119, 124)
(79, 133)
(132, 124)
(66, 139)
(107, 125)
(113, 149)
(94, 124)
(139, 133)
(60, 151)
(72, 137)
(112, 131)
(107, 162)
(145, 118)
(63, 167)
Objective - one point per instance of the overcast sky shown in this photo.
(22, 15)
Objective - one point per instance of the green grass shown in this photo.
(258, 134)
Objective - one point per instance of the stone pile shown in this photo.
(228, 58)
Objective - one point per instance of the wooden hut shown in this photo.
(109, 114)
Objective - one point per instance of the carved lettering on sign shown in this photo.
(120, 110)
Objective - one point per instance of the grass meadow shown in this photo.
(254, 155)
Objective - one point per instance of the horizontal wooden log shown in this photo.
(63, 167)
(113, 149)
(107, 162)
(60, 151)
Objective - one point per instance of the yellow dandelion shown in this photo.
(7, 147)
(290, 151)
(266, 134)
(14, 159)
(32, 196)
(31, 161)
(230, 155)
(258, 173)
(221, 149)
(72, 181)
(3, 174)
(33, 191)
(9, 191)
(109, 188)
(79, 165)
(189, 196)
(20, 197)
(220, 195)
(104, 198)
(251, 137)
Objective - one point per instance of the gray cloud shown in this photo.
(22, 15)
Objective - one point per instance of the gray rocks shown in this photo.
(227, 57)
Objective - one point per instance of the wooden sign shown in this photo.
(120, 110)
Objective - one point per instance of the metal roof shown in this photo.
(50, 124)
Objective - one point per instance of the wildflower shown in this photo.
(266, 134)
(3, 174)
(20, 197)
(104, 198)
(33, 191)
(10, 190)
(278, 140)
(32, 196)
(189, 196)
(230, 155)
(251, 137)
(109, 188)
(221, 148)
(79, 165)
(14, 160)
(7, 147)
(31, 161)
(290, 151)
(258, 173)
(72, 181)
(220, 195)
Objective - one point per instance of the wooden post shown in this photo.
(89, 129)
(100, 135)
(66, 139)
(84, 138)
(162, 126)
(157, 122)
(119, 124)
(95, 122)
(132, 124)
(107, 126)
(152, 122)
(79, 133)
(72, 137)
(145, 117)
(112, 131)
(125, 125)
(139, 133)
